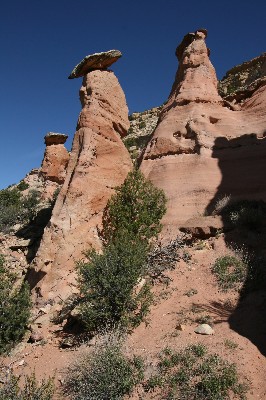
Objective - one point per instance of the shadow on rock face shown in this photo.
(34, 231)
(240, 200)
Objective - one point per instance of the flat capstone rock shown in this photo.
(95, 61)
(55, 138)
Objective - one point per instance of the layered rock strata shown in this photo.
(98, 163)
(204, 147)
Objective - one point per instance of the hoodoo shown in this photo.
(205, 147)
(55, 159)
(98, 163)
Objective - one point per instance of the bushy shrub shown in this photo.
(14, 207)
(14, 308)
(103, 374)
(230, 271)
(195, 374)
(137, 208)
(108, 285)
(244, 271)
(108, 281)
(12, 389)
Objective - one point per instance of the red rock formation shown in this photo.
(98, 163)
(203, 147)
(55, 159)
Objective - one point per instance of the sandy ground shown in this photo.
(192, 292)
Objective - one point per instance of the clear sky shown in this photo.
(42, 40)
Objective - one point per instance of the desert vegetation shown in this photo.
(14, 308)
(12, 387)
(193, 373)
(16, 207)
(104, 372)
(108, 282)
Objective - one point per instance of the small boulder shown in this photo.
(180, 327)
(36, 336)
(204, 329)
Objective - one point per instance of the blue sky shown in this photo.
(42, 40)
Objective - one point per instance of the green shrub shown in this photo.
(194, 374)
(108, 282)
(108, 285)
(103, 374)
(11, 388)
(22, 186)
(137, 208)
(14, 308)
(14, 207)
(230, 271)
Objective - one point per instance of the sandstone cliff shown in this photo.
(98, 163)
(205, 147)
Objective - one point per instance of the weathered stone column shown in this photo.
(98, 163)
(55, 159)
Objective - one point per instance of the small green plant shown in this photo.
(14, 308)
(103, 374)
(195, 374)
(186, 256)
(12, 389)
(22, 185)
(230, 272)
(191, 292)
(230, 344)
(142, 125)
(136, 208)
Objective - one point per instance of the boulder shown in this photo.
(204, 329)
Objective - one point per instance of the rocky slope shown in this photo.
(142, 125)
(242, 80)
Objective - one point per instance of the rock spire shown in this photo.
(98, 163)
(204, 147)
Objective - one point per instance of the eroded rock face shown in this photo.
(98, 163)
(203, 147)
(55, 159)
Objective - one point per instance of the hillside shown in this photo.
(205, 149)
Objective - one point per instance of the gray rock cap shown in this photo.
(95, 61)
